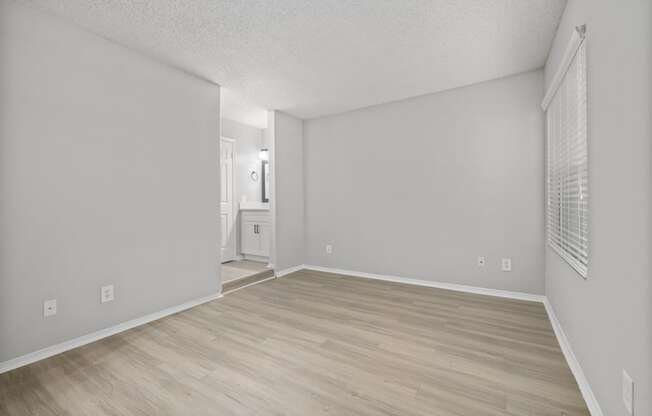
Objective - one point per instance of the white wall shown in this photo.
(249, 141)
(608, 317)
(420, 188)
(108, 174)
(288, 196)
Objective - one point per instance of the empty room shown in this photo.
(326, 207)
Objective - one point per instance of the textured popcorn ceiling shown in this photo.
(317, 57)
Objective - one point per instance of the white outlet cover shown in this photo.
(106, 294)
(329, 249)
(49, 307)
(628, 393)
(506, 264)
(482, 261)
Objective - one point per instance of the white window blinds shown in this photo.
(567, 162)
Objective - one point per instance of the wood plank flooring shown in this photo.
(234, 270)
(232, 285)
(315, 344)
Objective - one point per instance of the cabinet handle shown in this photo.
(255, 228)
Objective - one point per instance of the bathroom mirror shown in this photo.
(265, 172)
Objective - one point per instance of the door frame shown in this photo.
(234, 207)
(269, 139)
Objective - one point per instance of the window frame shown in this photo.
(568, 170)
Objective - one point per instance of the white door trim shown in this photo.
(270, 133)
(234, 205)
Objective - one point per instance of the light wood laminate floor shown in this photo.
(315, 344)
(241, 273)
(235, 270)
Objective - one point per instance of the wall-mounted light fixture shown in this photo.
(263, 155)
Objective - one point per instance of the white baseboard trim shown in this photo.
(98, 335)
(428, 283)
(573, 363)
(289, 270)
(259, 259)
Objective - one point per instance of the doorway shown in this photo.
(246, 220)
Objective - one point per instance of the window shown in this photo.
(567, 159)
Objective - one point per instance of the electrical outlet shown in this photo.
(329, 249)
(106, 294)
(628, 393)
(49, 308)
(506, 264)
(482, 261)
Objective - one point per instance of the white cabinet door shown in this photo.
(256, 233)
(250, 238)
(265, 234)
